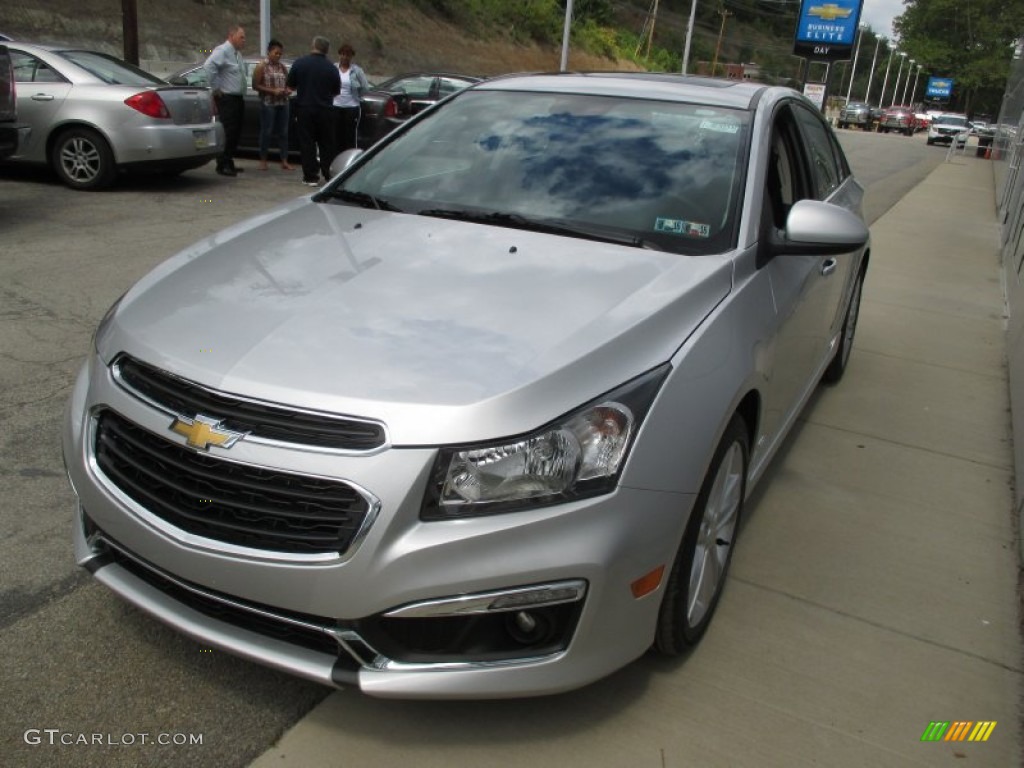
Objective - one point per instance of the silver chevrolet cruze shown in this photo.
(478, 418)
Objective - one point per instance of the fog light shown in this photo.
(528, 627)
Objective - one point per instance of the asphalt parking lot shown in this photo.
(870, 593)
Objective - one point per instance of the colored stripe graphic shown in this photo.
(982, 731)
(958, 730)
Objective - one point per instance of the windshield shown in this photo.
(111, 70)
(646, 173)
(953, 120)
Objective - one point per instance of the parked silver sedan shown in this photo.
(91, 115)
(479, 418)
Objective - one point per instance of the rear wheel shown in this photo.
(83, 159)
(699, 570)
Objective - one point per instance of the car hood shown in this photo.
(446, 331)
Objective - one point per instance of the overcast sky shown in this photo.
(880, 13)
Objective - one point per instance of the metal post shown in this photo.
(907, 84)
(565, 35)
(896, 88)
(885, 82)
(871, 75)
(264, 26)
(914, 89)
(853, 69)
(689, 36)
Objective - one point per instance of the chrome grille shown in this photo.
(181, 397)
(255, 507)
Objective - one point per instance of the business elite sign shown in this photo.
(827, 29)
(939, 88)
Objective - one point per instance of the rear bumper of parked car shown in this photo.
(319, 619)
(177, 144)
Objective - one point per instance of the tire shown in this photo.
(83, 159)
(909, 131)
(837, 367)
(702, 562)
(929, 142)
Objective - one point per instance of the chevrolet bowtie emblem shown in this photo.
(829, 12)
(202, 432)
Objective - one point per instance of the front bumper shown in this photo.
(327, 619)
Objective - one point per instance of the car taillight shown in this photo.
(390, 108)
(148, 103)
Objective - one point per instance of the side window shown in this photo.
(29, 69)
(785, 178)
(820, 152)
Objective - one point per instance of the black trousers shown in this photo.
(230, 110)
(316, 141)
(346, 128)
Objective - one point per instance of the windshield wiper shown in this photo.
(518, 221)
(363, 199)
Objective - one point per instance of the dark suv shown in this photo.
(855, 114)
(8, 106)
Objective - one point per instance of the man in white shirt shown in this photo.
(225, 69)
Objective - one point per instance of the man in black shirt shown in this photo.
(316, 81)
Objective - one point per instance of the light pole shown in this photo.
(565, 35)
(885, 82)
(689, 36)
(907, 84)
(914, 89)
(896, 88)
(853, 69)
(871, 75)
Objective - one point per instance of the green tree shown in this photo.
(970, 41)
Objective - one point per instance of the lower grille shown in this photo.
(203, 495)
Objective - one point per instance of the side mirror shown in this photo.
(817, 228)
(344, 160)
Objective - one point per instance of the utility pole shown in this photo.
(130, 30)
(725, 15)
(650, 37)
(689, 36)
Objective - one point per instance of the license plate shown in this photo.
(202, 139)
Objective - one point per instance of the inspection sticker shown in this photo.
(682, 227)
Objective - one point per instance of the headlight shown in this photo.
(577, 456)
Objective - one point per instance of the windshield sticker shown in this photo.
(708, 125)
(681, 227)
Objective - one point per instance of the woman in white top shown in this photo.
(346, 104)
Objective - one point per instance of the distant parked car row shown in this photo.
(90, 116)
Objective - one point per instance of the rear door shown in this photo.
(42, 91)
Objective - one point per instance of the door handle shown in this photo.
(828, 267)
(42, 97)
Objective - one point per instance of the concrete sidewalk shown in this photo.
(873, 590)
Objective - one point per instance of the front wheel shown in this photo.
(837, 367)
(698, 572)
(83, 159)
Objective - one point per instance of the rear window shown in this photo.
(110, 69)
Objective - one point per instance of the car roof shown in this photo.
(664, 86)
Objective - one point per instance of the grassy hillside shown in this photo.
(483, 37)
